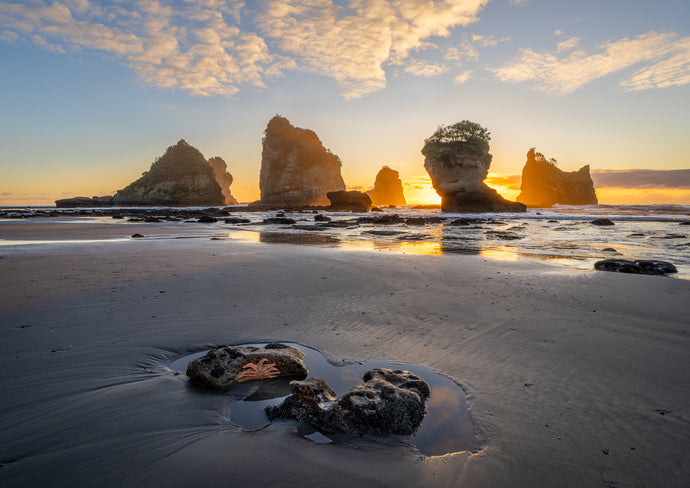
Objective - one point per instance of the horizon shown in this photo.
(96, 91)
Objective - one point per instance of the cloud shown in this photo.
(569, 67)
(642, 178)
(462, 77)
(421, 68)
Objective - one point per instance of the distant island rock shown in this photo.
(104, 201)
(457, 159)
(545, 185)
(388, 189)
(296, 169)
(182, 176)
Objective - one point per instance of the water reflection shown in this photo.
(446, 427)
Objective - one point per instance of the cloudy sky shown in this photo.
(92, 92)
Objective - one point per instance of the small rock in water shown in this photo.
(640, 266)
(137, 236)
(608, 249)
(602, 222)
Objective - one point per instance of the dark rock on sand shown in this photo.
(388, 188)
(545, 185)
(381, 220)
(458, 168)
(641, 266)
(349, 201)
(602, 222)
(296, 169)
(278, 220)
(182, 176)
(206, 219)
(321, 218)
(219, 368)
(388, 402)
(236, 220)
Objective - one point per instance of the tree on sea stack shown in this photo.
(468, 132)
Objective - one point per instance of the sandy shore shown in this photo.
(573, 378)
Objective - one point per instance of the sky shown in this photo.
(92, 92)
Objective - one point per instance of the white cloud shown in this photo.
(462, 77)
(427, 70)
(569, 68)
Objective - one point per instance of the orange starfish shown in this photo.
(258, 371)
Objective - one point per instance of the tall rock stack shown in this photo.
(224, 179)
(457, 159)
(544, 185)
(388, 189)
(295, 167)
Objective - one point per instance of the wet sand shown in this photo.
(573, 378)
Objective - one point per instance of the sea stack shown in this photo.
(457, 159)
(182, 176)
(388, 189)
(296, 169)
(544, 185)
(224, 179)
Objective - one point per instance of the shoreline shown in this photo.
(558, 365)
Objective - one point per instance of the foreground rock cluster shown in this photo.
(388, 402)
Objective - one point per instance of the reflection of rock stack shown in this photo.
(458, 167)
(295, 167)
(388, 189)
(544, 185)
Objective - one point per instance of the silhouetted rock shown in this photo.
(295, 167)
(638, 266)
(349, 201)
(220, 367)
(388, 402)
(224, 179)
(104, 201)
(544, 185)
(182, 176)
(388, 189)
(458, 168)
(602, 222)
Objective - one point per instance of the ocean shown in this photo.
(563, 235)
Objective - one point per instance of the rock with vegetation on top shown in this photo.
(388, 402)
(349, 201)
(544, 184)
(296, 169)
(182, 176)
(224, 366)
(457, 159)
(388, 189)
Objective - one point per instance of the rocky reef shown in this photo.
(388, 402)
(545, 185)
(104, 201)
(224, 179)
(296, 169)
(182, 176)
(388, 189)
(457, 159)
(349, 201)
(224, 366)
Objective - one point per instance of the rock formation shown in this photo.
(182, 176)
(637, 266)
(388, 189)
(544, 185)
(349, 201)
(388, 402)
(457, 159)
(221, 367)
(295, 167)
(224, 179)
(104, 201)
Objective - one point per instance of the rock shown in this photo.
(220, 367)
(278, 220)
(641, 266)
(236, 220)
(602, 222)
(321, 218)
(388, 402)
(182, 176)
(206, 219)
(349, 201)
(104, 201)
(458, 166)
(295, 167)
(388, 188)
(224, 179)
(137, 236)
(544, 185)
(375, 209)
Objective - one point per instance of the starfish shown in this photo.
(258, 371)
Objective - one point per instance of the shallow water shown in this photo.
(446, 428)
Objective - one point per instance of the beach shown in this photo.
(573, 377)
